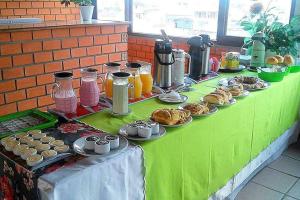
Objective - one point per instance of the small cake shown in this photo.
(62, 149)
(20, 149)
(7, 139)
(47, 139)
(10, 145)
(102, 146)
(26, 139)
(42, 147)
(90, 142)
(154, 127)
(38, 136)
(113, 140)
(49, 153)
(144, 131)
(34, 143)
(132, 129)
(56, 143)
(34, 160)
(32, 132)
(20, 135)
(28, 152)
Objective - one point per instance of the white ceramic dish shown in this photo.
(183, 98)
(162, 132)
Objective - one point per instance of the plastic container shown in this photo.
(294, 69)
(268, 75)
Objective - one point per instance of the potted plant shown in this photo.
(279, 38)
(86, 8)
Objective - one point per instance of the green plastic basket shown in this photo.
(294, 69)
(270, 76)
(49, 121)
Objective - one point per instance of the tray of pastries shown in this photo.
(219, 98)
(172, 117)
(200, 109)
(249, 83)
(237, 91)
(142, 130)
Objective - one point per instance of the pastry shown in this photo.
(10, 145)
(34, 143)
(42, 147)
(26, 139)
(47, 139)
(90, 142)
(62, 148)
(49, 153)
(288, 60)
(34, 160)
(38, 136)
(272, 61)
(144, 131)
(113, 140)
(102, 146)
(57, 143)
(214, 98)
(20, 149)
(20, 135)
(28, 152)
(279, 58)
(196, 108)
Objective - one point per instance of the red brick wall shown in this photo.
(28, 60)
(46, 9)
(142, 48)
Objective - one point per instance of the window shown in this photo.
(184, 18)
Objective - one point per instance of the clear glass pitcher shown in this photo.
(120, 93)
(111, 68)
(146, 78)
(134, 70)
(89, 91)
(63, 93)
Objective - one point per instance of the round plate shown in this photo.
(162, 132)
(224, 82)
(213, 109)
(78, 147)
(231, 102)
(244, 94)
(235, 70)
(119, 115)
(169, 100)
(189, 120)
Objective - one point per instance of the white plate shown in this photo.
(169, 100)
(78, 147)
(162, 132)
(189, 120)
(213, 109)
(231, 102)
(224, 82)
(244, 94)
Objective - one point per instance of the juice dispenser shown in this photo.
(134, 70)
(111, 68)
(146, 78)
(63, 93)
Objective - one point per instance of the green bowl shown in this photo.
(294, 69)
(268, 75)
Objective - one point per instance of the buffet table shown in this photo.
(194, 161)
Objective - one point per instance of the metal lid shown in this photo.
(133, 65)
(113, 64)
(163, 46)
(121, 74)
(63, 75)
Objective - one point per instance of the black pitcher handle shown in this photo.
(162, 63)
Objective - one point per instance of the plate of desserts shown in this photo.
(101, 145)
(250, 83)
(142, 130)
(172, 117)
(219, 98)
(200, 109)
(237, 91)
(172, 97)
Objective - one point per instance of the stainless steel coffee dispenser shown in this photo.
(199, 51)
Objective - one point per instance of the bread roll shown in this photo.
(279, 58)
(214, 98)
(272, 61)
(166, 116)
(288, 60)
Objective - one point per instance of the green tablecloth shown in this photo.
(193, 161)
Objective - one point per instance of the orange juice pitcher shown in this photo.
(146, 78)
(111, 67)
(135, 80)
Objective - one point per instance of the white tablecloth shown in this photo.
(117, 178)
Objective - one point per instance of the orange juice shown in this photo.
(147, 82)
(136, 81)
(108, 87)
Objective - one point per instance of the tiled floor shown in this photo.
(278, 181)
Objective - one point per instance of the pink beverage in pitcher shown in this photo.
(89, 91)
(63, 94)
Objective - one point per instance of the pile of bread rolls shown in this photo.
(279, 60)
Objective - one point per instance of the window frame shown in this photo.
(222, 38)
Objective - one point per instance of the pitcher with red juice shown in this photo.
(89, 91)
(63, 94)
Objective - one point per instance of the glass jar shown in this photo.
(134, 70)
(63, 93)
(146, 78)
(111, 67)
